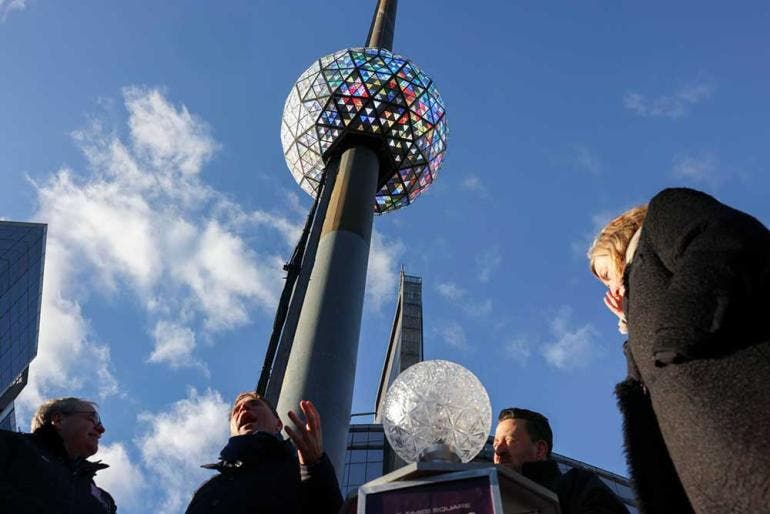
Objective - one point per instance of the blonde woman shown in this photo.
(689, 279)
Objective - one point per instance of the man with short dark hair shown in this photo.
(523, 442)
(260, 472)
(47, 471)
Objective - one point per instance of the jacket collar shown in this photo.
(544, 472)
(251, 449)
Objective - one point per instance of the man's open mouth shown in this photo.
(246, 418)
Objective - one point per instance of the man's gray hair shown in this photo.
(50, 408)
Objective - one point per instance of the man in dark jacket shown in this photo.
(260, 472)
(523, 442)
(46, 472)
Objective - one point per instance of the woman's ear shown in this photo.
(56, 419)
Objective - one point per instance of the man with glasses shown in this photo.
(47, 470)
(523, 443)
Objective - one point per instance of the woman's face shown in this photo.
(610, 276)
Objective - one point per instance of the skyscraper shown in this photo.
(404, 349)
(22, 256)
(405, 343)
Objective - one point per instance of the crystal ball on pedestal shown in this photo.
(433, 403)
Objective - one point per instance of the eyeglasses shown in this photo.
(92, 415)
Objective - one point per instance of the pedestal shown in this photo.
(443, 488)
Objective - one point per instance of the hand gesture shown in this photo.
(307, 437)
(615, 305)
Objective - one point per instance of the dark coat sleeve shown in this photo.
(111, 505)
(582, 492)
(319, 490)
(13, 500)
(717, 257)
(655, 481)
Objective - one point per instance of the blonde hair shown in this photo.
(613, 239)
(64, 406)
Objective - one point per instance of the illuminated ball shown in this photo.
(373, 97)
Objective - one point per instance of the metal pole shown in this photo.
(322, 363)
(383, 25)
(278, 370)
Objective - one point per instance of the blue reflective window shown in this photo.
(357, 456)
(357, 474)
(373, 470)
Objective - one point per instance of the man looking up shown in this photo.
(261, 472)
(47, 471)
(523, 443)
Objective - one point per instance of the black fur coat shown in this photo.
(696, 405)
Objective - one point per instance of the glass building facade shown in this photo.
(404, 349)
(366, 458)
(22, 255)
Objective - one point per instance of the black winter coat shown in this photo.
(260, 474)
(580, 491)
(37, 477)
(696, 405)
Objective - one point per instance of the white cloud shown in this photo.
(453, 334)
(140, 221)
(488, 262)
(585, 159)
(174, 345)
(574, 347)
(289, 229)
(450, 291)
(8, 6)
(108, 224)
(382, 271)
(518, 350)
(223, 275)
(479, 309)
(598, 221)
(172, 139)
(177, 440)
(65, 343)
(461, 298)
(672, 106)
(700, 169)
(124, 480)
(472, 182)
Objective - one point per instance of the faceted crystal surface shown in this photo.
(437, 402)
(373, 92)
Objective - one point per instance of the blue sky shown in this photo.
(147, 135)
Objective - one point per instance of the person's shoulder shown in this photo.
(11, 434)
(108, 500)
(579, 475)
(681, 195)
(12, 440)
(585, 488)
(579, 479)
(681, 213)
